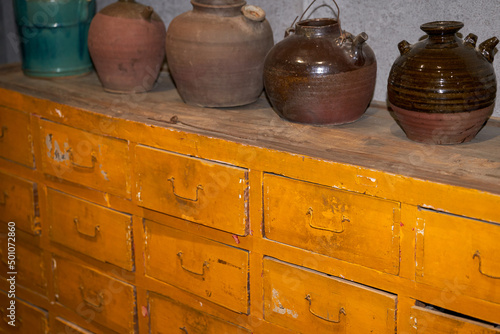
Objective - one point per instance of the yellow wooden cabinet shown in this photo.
(141, 214)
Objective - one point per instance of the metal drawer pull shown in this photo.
(97, 306)
(184, 330)
(344, 219)
(341, 311)
(4, 129)
(198, 188)
(205, 266)
(74, 164)
(478, 255)
(96, 229)
(4, 199)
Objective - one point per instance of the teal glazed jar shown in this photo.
(53, 36)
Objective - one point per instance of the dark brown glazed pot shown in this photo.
(443, 89)
(127, 45)
(216, 51)
(319, 74)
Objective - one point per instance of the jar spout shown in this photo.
(487, 48)
(357, 49)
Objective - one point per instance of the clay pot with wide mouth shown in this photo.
(127, 45)
(216, 52)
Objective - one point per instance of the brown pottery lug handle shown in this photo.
(289, 31)
(470, 40)
(487, 48)
(357, 49)
(404, 47)
(147, 13)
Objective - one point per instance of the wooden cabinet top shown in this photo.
(374, 142)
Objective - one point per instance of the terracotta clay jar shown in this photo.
(127, 45)
(216, 52)
(442, 89)
(320, 74)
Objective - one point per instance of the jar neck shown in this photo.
(218, 7)
(442, 32)
(318, 28)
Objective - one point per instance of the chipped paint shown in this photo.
(48, 143)
(59, 113)
(278, 308)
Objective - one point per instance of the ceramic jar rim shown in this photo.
(318, 26)
(441, 27)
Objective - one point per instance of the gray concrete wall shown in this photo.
(386, 22)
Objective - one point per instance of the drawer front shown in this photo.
(340, 224)
(93, 296)
(15, 137)
(91, 229)
(197, 190)
(169, 316)
(430, 321)
(27, 262)
(459, 255)
(19, 203)
(311, 302)
(81, 157)
(62, 326)
(29, 319)
(209, 269)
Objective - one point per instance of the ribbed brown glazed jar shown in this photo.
(443, 89)
(127, 45)
(319, 74)
(216, 51)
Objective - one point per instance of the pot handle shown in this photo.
(291, 29)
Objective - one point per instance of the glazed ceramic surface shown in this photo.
(216, 52)
(320, 74)
(442, 89)
(53, 36)
(127, 44)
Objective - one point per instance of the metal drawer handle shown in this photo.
(478, 255)
(184, 330)
(205, 266)
(96, 229)
(341, 311)
(4, 130)
(4, 199)
(36, 225)
(198, 188)
(344, 219)
(98, 306)
(74, 164)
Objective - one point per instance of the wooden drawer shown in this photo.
(62, 326)
(95, 297)
(91, 229)
(345, 225)
(169, 316)
(458, 255)
(28, 263)
(430, 321)
(209, 269)
(16, 143)
(201, 191)
(311, 302)
(29, 318)
(81, 157)
(19, 203)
